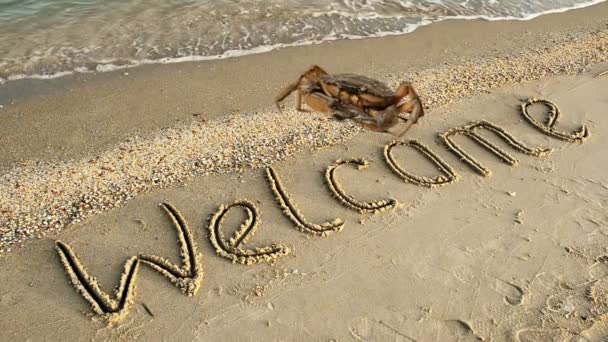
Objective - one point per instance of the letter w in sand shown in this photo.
(187, 278)
(470, 130)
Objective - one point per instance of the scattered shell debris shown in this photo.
(519, 217)
(40, 197)
(187, 278)
(554, 54)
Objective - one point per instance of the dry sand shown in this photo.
(517, 256)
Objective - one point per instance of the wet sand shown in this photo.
(518, 255)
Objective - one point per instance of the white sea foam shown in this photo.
(350, 19)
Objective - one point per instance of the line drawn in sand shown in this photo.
(373, 207)
(231, 249)
(291, 210)
(601, 74)
(548, 128)
(368, 329)
(470, 130)
(559, 334)
(187, 278)
(448, 175)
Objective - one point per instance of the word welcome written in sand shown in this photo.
(189, 276)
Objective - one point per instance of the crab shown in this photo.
(361, 99)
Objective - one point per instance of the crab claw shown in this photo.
(409, 102)
(400, 129)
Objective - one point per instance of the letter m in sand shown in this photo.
(470, 130)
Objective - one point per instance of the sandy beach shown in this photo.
(511, 246)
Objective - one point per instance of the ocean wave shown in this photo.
(200, 30)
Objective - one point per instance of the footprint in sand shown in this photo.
(514, 295)
(597, 293)
(598, 332)
(462, 331)
(599, 269)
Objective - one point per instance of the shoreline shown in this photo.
(110, 67)
(41, 196)
(72, 76)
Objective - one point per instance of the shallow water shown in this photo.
(47, 38)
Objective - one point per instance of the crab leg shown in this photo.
(408, 101)
(319, 102)
(312, 74)
(400, 131)
(286, 91)
(381, 121)
(412, 108)
(299, 101)
(347, 112)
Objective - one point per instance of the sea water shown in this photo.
(50, 38)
